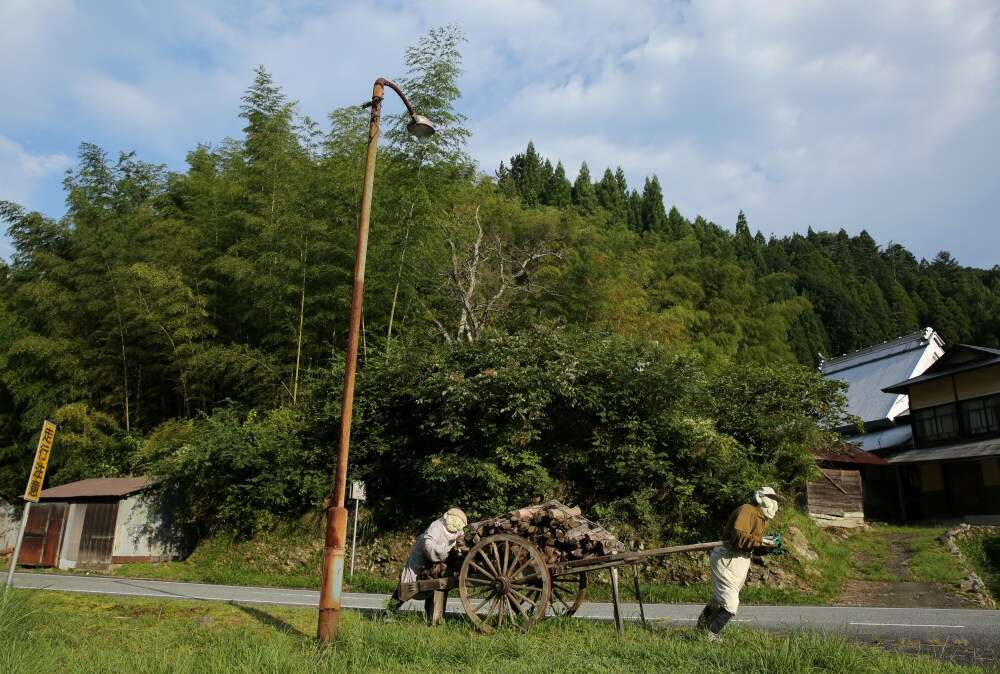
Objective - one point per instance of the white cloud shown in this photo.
(21, 171)
(829, 114)
(823, 114)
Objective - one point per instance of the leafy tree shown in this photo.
(431, 83)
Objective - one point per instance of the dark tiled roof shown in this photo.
(98, 486)
(964, 450)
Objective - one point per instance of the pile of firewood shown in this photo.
(559, 532)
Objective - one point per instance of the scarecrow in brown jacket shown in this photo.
(730, 562)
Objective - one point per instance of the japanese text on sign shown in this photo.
(37, 478)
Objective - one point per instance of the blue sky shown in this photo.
(876, 115)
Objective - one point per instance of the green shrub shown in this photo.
(237, 471)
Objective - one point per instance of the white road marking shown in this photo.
(955, 627)
(687, 620)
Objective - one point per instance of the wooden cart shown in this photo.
(504, 581)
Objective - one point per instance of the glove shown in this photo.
(772, 544)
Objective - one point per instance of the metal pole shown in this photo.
(332, 582)
(354, 537)
(17, 544)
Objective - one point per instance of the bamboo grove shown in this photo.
(169, 311)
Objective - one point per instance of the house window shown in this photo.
(935, 423)
(982, 415)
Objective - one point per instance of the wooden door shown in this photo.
(964, 482)
(98, 535)
(43, 535)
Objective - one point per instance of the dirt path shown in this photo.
(903, 592)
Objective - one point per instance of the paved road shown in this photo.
(978, 629)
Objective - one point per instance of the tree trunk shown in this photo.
(298, 347)
(399, 278)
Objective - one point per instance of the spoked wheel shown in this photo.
(568, 593)
(504, 581)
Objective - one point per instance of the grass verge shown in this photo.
(983, 553)
(48, 632)
(291, 555)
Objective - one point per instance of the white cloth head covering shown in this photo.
(767, 499)
(455, 520)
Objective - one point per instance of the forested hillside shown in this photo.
(520, 329)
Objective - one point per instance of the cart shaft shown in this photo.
(619, 558)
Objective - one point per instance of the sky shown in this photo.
(882, 116)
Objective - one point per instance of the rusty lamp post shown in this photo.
(336, 515)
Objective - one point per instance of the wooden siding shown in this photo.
(838, 492)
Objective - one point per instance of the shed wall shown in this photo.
(836, 498)
(9, 523)
(70, 552)
(138, 533)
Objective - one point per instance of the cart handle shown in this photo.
(620, 558)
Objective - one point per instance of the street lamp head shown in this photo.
(420, 127)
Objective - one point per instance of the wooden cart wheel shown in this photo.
(504, 581)
(568, 593)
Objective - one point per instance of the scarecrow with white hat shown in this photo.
(730, 562)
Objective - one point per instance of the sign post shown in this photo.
(358, 494)
(34, 489)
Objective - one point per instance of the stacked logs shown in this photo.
(559, 532)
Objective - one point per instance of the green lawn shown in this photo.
(52, 632)
(872, 550)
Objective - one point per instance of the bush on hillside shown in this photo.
(638, 435)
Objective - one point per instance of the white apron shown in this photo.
(729, 573)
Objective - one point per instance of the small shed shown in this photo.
(837, 499)
(95, 523)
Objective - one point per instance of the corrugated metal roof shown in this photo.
(888, 438)
(965, 450)
(98, 486)
(849, 454)
(868, 371)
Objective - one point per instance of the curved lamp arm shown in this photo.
(419, 126)
(395, 87)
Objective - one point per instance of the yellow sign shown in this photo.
(34, 490)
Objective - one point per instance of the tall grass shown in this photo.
(16, 617)
(103, 634)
